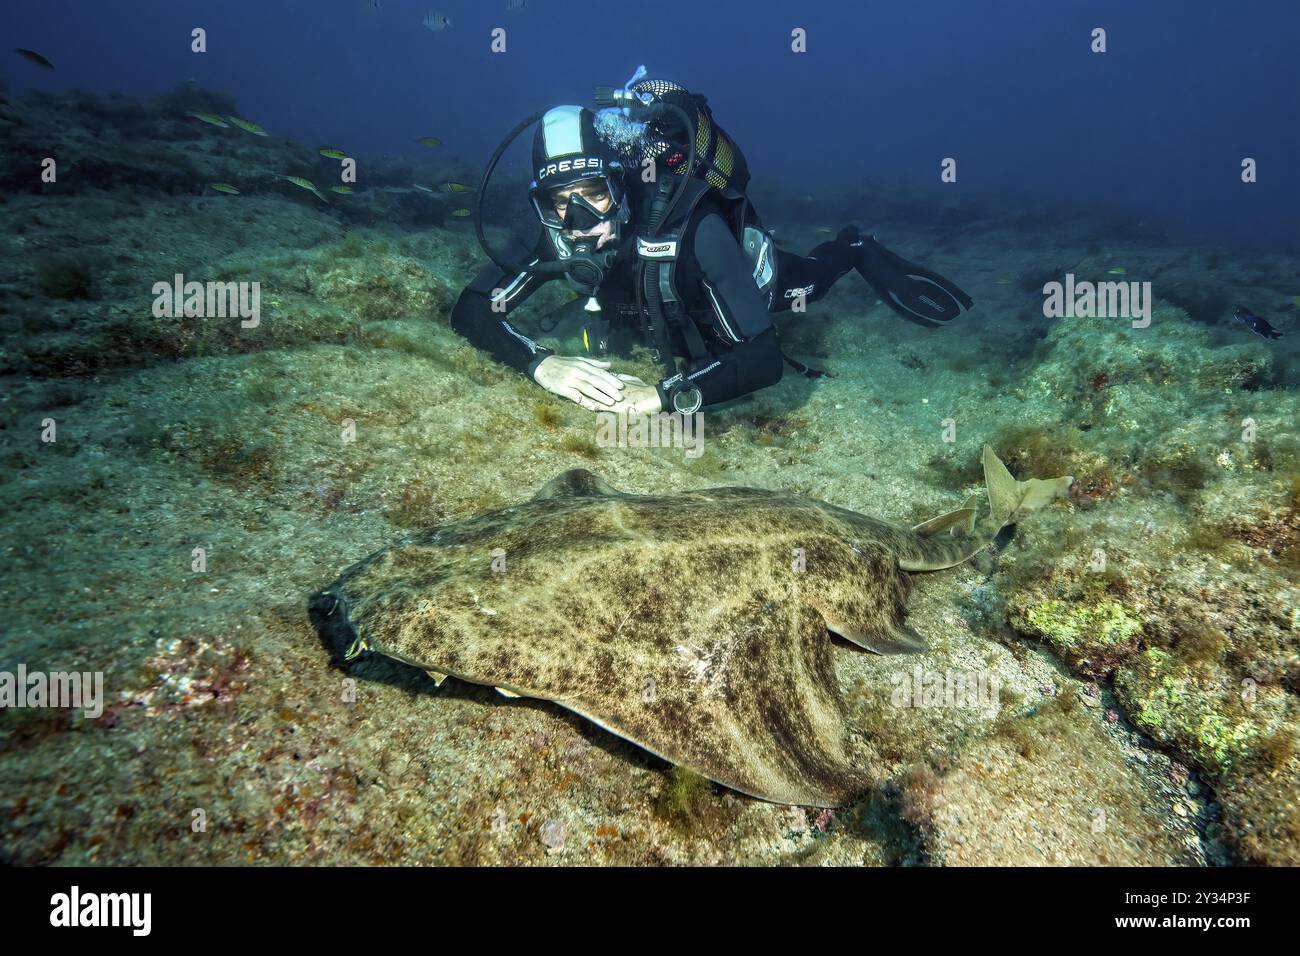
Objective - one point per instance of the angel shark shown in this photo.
(693, 625)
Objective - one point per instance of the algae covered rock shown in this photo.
(1199, 708)
(1172, 352)
(1194, 608)
(1239, 732)
(1262, 810)
(1092, 634)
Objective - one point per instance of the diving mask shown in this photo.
(586, 250)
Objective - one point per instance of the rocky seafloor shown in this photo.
(1142, 636)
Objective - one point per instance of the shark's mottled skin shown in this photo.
(693, 625)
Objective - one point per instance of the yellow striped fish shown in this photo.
(247, 126)
(212, 119)
(306, 184)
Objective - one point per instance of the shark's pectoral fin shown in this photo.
(896, 638)
(764, 715)
(860, 593)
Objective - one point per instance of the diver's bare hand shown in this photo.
(638, 398)
(581, 380)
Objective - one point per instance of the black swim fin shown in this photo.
(913, 291)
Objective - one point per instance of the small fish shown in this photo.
(458, 188)
(31, 56)
(461, 213)
(436, 21)
(1253, 322)
(429, 141)
(247, 126)
(306, 184)
(825, 229)
(1117, 271)
(341, 190)
(212, 119)
(423, 189)
(1002, 282)
(374, 6)
(224, 188)
(514, 6)
(332, 152)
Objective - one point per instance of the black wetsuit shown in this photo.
(720, 296)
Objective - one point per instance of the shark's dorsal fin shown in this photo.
(961, 521)
(575, 483)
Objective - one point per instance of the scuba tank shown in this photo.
(718, 160)
(662, 122)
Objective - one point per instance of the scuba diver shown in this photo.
(678, 261)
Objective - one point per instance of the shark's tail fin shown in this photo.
(1010, 499)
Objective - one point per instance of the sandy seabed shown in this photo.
(1146, 710)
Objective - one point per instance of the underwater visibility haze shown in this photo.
(736, 434)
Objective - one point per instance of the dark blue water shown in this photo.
(1159, 123)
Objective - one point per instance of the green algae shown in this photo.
(1198, 713)
(1074, 628)
(1084, 616)
(688, 801)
